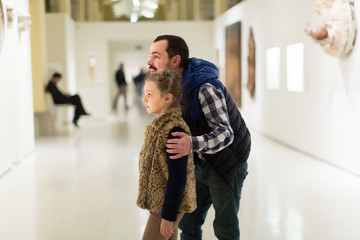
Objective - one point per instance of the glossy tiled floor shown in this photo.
(84, 187)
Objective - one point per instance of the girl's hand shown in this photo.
(166, 228)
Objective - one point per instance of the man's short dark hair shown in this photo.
(176, 46)
(56, 75)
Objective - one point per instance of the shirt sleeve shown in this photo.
(213, 105)
(176, 183)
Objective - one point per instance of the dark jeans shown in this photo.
(76, 101)
(225, 197)
(122, 91)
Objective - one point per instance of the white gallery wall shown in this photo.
(324, 119)
(101, 39)
(16, 101)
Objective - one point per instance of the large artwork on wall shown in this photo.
(233, 61)
(251, 65)
(2, 25)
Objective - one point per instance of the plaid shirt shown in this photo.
(214, 108)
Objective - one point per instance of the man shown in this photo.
(122, 85)
(61, 98)
(220, 138)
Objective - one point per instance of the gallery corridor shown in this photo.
(83, 186)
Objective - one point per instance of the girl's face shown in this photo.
(154, 102)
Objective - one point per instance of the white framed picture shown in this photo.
(273, 68)
(295, 67)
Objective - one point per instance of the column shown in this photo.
(219, 7)
(197, 12)
(65, 7)
(183, 10)
(38, 54)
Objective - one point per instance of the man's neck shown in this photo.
(179, 70)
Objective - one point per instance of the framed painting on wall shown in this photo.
(233, 61)
(251, 65)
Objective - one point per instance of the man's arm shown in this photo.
(214, 108)
(215, 111)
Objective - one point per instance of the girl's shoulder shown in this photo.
(175, 129)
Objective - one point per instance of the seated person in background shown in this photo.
(60, 98)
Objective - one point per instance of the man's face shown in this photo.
(159, 58)
(57, 79)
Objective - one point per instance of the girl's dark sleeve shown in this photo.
(176, 183)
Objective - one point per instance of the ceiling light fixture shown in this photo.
(149, 5)
(147, 13)
(136, 4)
(134, 17)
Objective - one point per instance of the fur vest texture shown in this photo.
(153, 165)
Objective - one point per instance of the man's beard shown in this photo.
(168, 67)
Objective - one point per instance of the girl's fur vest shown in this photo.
(153, 165)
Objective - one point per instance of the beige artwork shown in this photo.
(92, 66)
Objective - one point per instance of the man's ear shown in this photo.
(176, 61)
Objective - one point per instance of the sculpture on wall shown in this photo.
(92, 66)
(336, 28)
(11, 15)
(251, 65)
(2, 25)
(24, 22)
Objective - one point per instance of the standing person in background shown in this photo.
(61, 98)
(122, 87)
(166, 186)
(139, 81)
(219, 138)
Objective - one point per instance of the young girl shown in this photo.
(166, 186)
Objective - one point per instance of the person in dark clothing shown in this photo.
(61, 98)
(220, 140)
(122, 87)
(139, 81)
